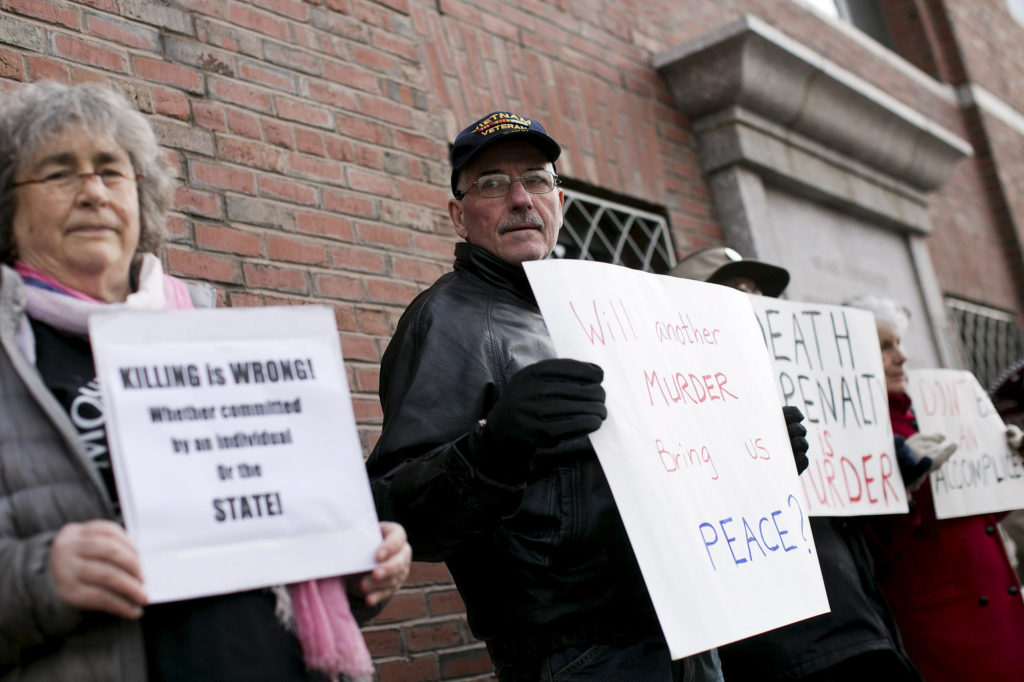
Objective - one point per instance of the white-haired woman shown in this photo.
(953, 593)
(83, 196)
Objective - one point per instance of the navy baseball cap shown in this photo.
(495, 127)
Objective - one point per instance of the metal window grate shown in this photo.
(989, 338)
(606, 231)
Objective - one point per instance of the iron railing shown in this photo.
(990, 339)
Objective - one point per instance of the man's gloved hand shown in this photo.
(933, 445)
(543, 404)
(1014, 437)
(912, 469)
(797, 439)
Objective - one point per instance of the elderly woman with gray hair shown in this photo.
(952, 591)
(83, 197)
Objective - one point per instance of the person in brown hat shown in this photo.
(725, 266)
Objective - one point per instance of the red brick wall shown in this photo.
(923, 36)
(976, 247)
(991, 46)
(969, 253)
(1005, 183)
(310, 138)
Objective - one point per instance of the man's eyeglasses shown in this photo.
(69, 181)
(496, 185)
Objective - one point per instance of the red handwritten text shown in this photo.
(685, 332)
(836, 481)
(603, 321)
(679, 387)
(681, 457)
(756, 449)
(940, 398)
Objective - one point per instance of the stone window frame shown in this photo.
(766, 110)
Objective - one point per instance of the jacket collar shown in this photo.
(493, 270)
(899, 402)
(904, 422)
(17, 343)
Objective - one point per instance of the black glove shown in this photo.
(797, 441)
(546, 403)
(543, 404)
(912, 469)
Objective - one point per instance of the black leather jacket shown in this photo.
(537, 549)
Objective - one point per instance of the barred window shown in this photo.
(989, 338)
(603, 230)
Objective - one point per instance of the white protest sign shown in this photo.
(695, 448)
(983, 475)
(827, 363)
(234, 447)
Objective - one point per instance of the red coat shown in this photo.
(953, 593)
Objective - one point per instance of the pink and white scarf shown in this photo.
(49, 301)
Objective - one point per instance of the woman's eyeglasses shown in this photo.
(70, 181)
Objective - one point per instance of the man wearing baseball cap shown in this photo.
(484, 455)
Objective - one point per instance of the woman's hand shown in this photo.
(95, 567)
(933, 445)
(393, 558)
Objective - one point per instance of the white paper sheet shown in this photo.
(827, 363)
(694, 447)
(983, 475)
(234, 447)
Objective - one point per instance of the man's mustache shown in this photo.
(517, 220)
